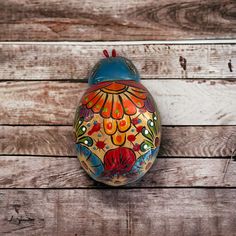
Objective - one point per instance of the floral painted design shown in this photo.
(116, 99)
(117, 131)
(119, 160)
(90, 162)
(144, 162)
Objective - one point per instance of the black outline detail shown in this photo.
(137, 96)
(101, 110)
(92, 100)
(86, 94)
(124, 90)
(96, 104)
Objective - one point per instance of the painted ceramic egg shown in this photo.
(117, 124)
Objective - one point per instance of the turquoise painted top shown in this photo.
(112, 69)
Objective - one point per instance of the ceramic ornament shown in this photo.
(117, 124)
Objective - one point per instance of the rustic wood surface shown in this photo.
(118, 212)
(187, 141)
(191, 190)
(181, 102)
(121, 20)
(74, 62)
(49, 172)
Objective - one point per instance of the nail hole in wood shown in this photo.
(183, 62)
(230, 66)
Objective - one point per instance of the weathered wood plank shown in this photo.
(49, 172)
(28, 212)
(121, 20)
(118, 212)
(181, 102)
(74, 62)
(207, 141)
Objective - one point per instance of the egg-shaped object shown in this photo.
(117, 124)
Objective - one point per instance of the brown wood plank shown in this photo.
(207, 141)
(118, 212)
(49, 172)
(122, 20)
(74, 62)
(181, 102)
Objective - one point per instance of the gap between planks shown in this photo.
(120, 43)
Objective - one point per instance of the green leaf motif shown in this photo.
(147, 134)
(81, 130)
(146, 145)
(86, 141)
(78, 123)
(151, 126)
(156, 123)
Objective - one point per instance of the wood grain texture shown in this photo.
(121, 212)
(74, 62)
(49, 172)
(42, 85)
(181, 102)
(86, 20)
(207, 141)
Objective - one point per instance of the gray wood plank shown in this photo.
(74, 62)
(49, 172)
(122, 20)
(181, 102)
(190, 212)
(194, 141)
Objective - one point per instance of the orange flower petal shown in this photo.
(110, 126)
(137, 101)
(92, 102)
(117, 108)
(98, 106)
(118, 138)
(89, 96)
(124, 123)
(106, 110)
(139, 94)
(138, 89)
(129, 107)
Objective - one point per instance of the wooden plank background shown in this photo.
(180, 102)
(190, 190)
(73, 61)
(121, 20)
(118, 212)
(177, 141)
